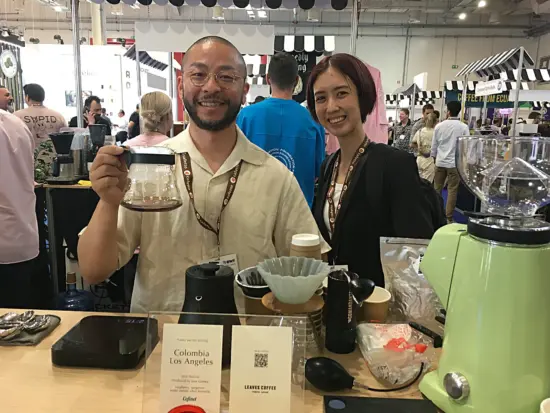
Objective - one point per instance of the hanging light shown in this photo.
(414, 16)
(5, 32)
(313, 15)
(482, 3)
(462, 16)
(217, 13)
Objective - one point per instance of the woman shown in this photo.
(156, 120)
(402, 131)
(422, 142)
(366, 190)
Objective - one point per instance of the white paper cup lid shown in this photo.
(305, 240)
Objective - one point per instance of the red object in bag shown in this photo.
(400, 344)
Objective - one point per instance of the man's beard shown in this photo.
(228, 118)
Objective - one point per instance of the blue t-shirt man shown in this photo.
(286, 130)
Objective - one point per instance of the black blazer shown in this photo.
(384, 199)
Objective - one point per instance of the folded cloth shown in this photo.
(32, 339)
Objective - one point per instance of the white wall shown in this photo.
(435, 55)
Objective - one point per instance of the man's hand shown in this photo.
(109, 175)
(91, 118)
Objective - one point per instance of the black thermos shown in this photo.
(341, 326)
(209, 289)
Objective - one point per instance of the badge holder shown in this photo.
(263, 355)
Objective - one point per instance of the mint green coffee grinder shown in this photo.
(493, 277)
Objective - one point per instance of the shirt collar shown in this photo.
(244, 150)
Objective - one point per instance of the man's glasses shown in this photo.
(223, 79)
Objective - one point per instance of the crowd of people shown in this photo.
(241, 202)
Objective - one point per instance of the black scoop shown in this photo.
(62, 142)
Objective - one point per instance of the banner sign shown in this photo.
(492, 87)
(472, 101)
(306, 63)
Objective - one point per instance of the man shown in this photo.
(92, 115)
(443, 150)
(226, 182)
(133, 125)
(122, 122)
(105, 117)
(40, 120)
(19, 234)
(6, 99)
(420, 123)
(283, 128)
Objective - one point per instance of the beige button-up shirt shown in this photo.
(266, 210)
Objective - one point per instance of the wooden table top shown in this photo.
(30, 383)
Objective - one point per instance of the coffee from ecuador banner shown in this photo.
(500, 100)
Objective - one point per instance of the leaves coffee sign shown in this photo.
(306, 63)
(8, 64)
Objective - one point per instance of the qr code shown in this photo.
(261, 360)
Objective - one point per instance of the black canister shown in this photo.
(209, 290)
(341, 326)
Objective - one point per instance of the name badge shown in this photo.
(229, 260)
(402, 137)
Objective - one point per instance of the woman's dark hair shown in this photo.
(355, 70)
(405, 111)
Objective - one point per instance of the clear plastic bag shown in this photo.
(395, 353)
(413, 298)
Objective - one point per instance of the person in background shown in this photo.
(402, 132)
(283, 128)
(156, 120)
(92, 115)
(366, 190)
(122, 122)
(105, 117)
(19, 234)
(41, 121)
(259, 99)
(479, 123)
(252, 198)
(437, 115)
(534, 117)
(134, 128)
(420, 123)
(422, 143)
(444, 142)
(506, 129)
(6, 99)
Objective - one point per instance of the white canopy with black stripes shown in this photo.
(494, 65)
(421, 98)
(458, 85)
(530, 75)
(145, 58)
(319, 44)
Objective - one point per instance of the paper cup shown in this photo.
(545, 406)
(375, 308)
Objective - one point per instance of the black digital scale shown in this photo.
(106, 342)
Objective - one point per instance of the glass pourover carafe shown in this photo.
(152, 186)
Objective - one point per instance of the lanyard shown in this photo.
(231, 185)
(332, 211)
